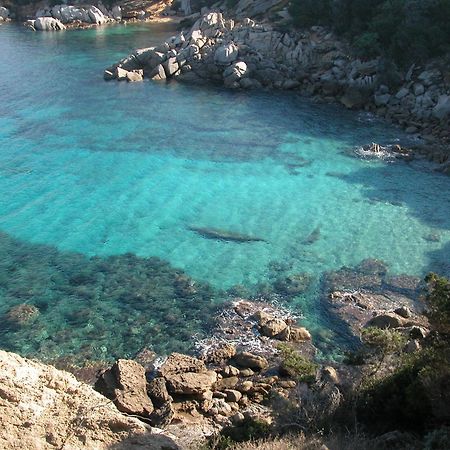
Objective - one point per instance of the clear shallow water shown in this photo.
(90, 168)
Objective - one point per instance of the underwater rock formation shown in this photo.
(224, 235)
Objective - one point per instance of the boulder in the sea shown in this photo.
(273, 327)
(251, 361)
(22, 314)
(125, 384)
(48, 24)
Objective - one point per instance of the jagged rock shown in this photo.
(126, 385)
(162, 416)
(45, 408)
(171, 66)
(220, 353)
(235, 72)
(121, 74)
(157, 391)
(387, 320)
(251, 361)
(191, 382)
(330, 375)
(96, 16)
(273, 327)
(178, 363)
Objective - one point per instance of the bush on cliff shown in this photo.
(404, 30)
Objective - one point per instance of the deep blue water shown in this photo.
(90, 168)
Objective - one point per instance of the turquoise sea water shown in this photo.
(122, 172)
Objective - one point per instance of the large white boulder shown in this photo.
(48, 24)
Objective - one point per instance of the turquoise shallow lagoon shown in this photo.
(96, 178)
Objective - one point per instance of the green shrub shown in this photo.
(296, 365)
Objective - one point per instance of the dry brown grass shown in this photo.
(300, 442)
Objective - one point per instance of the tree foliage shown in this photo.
(403, 30)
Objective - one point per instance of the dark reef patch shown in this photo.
(65, 305)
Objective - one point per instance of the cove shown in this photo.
(94, 169)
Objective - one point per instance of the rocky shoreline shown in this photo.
(258, 356)
(246, 54)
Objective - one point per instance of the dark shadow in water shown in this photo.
(96, 308)
(425, 194)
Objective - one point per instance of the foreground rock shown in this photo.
(126, 386)
(44, 408)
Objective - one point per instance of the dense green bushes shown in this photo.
(403, 30)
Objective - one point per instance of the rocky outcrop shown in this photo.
(59, 17)
(46, 24)
(45, 408)
(125, 384)
(244, 54)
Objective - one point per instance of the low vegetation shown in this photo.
(405, 31)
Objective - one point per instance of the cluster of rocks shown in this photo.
(4, 14)
(224, 389)
(228, 384)
(59, 17)
(246, 54)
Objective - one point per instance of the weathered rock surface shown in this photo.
(191, 383)
(250, 360)
(126, 385)
(44, 408)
